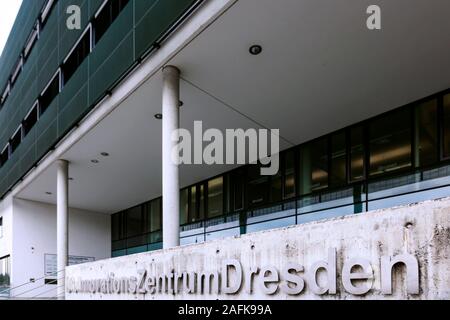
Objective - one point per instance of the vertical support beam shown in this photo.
(170, 179)
(62, 217)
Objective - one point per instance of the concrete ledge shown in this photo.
(416, 234)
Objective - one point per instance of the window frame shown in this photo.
(46, 11)
(35, 106)
(17, 131)
(6, 148)
(57, 74)
(31, 41)
(88, 29)
(441, 125)
(6, 93)
(18, 67)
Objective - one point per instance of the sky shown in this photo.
(8, 13)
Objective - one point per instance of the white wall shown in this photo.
(34, 235)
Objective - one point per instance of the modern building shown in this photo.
(85, 172)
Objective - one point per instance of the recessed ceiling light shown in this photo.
(255, 49)
(158, 116)
(105, 154)
(95, 161)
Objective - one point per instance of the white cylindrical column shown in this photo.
(170, 179)
(62, 228)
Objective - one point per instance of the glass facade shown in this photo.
(5, 272)
(446, 125)
(393, 159)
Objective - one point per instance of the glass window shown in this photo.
(215, 197)
(106, 17)
(357, 154)
(5, 93)
(201, 202)
(446, 126)
(192, 204)
(31, 41)
(17, 70)
(79, 53)
(237, 178)
(257, 186)
(4, 156)
(338, 174)
(5, 271)
(314, 166)
(390, 142)
(30, 120)
(426, 149)
(193, 209)
(289, 174)
(49, 94)
(117, 226)
(276, 185)
(184, 206)
(46, 11)
(155, 215)
(16, 140)
(135, 221)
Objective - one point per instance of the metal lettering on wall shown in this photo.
(232, 278)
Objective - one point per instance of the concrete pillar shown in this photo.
(170, 179)
(62, 217)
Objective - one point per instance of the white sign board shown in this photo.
(50, 263)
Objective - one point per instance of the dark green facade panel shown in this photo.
(138, 26)
(22, 27)
(67, 38)
(111, 69)
(159, 16)
(110, 42)
(47, 139)
(73, 109)
(94, 5)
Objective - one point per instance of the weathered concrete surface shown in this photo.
(422, 230)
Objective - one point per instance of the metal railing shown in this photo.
(31, 289)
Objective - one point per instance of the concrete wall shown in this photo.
(34, 235)
(420, 231)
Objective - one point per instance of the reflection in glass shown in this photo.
(257, 186)
(215, 197)
(426, 150)
(338, 174)
(184, 206)
(356, 154)
(289, 175)
(446, 126)
(117, 226)
(134, 221)
(155, 215)
(276, 187)
(314, 166)
(237, 189)
(390, 142)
